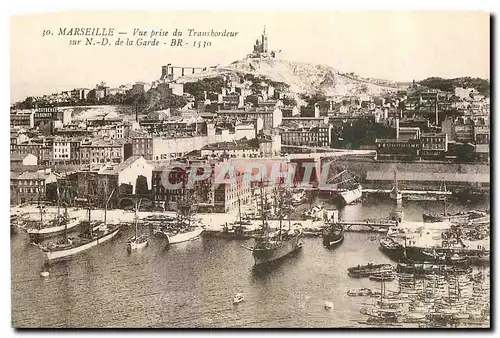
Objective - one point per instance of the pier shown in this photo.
(367, 226)
(409, 192)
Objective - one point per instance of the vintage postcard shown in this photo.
(250, 169)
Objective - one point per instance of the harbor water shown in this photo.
(192, 284)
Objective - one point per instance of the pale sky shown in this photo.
(389, 45)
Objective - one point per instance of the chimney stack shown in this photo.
(163, 71)
(397, 129)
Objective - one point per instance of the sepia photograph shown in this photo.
(264, 169)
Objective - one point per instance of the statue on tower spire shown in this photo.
(264, 43)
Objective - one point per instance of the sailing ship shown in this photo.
(182, 229)
(347, 189)
(94, 237)
(237, 229)
(395, 193)
(57, 227)
(458, 217)
(270, 247)
(137, 242)
(386, 310)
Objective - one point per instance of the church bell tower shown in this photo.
(265, 47)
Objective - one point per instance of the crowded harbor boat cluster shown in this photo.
(430, 300)
(436, 261)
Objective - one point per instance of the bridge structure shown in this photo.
(130, 200)
(172, 73)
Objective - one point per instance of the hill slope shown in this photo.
(481, 85)
(302, 78)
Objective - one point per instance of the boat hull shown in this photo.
(59, 254)
(185, 237)
(331, 241)
(351, 196)
(36, 235)
(230, 234)
(394, 252)
(265, 256)
(136, 246)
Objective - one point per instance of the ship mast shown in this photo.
(281, 211)
(395, 182)
(41, 212)
(135, 218)
(58, 203)
(289, 212)
(106, 206)
(91, 230)
(262, 204)
(239, 207)
(444, 200)
(66, 223)
(263, 213)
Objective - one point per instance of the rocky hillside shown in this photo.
(302, 78)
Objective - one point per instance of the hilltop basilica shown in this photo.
(261, 47)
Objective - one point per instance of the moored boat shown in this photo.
(75, 246)
(58, 229)
(184, 235)
(238, 298)
(385, 277)
(270, 247)
(431, 268)
(333, 235)
(137, 242)
(359, 292)
(391, 248)
(72, 246)
(369, 269)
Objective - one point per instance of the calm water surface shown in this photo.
(192, 284)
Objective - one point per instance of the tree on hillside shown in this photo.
(449, 85)
(253, 99)
(209, 85)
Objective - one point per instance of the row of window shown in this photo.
(398, 145)
(30, 190)
(30, 182)
(433, 146)
(433, 140)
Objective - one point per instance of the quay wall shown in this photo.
(360, 166)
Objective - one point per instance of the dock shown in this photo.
(367, 226)
(409, 192)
